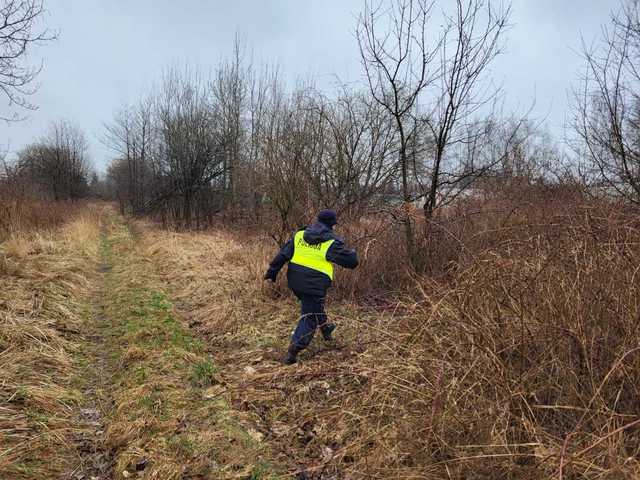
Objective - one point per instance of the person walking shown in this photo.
(311, 254)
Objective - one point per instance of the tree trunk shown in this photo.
(406, 197)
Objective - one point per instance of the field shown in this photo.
(129, 351)
(480, 156)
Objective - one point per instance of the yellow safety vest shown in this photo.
(312, 256)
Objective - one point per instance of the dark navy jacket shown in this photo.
(304, 280)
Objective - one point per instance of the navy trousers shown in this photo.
(312, 316)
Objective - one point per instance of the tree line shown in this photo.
(425, 128)
(56, 167)
(426, 125)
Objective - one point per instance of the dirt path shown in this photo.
(96, 461)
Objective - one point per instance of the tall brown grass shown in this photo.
(44, 284)
(19, 214)
(524, 363)
(515, 355)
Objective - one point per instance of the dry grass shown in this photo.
(517, 358)
(44, 281)
(168, 415)
(20, 214)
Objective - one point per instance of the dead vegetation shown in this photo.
(519, 362)
(24, 215)
(515, 356)
(490, 332)
(44, 282)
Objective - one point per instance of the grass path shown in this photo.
(153, 391)
(102, 377)
(96, 460)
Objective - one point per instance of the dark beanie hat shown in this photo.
(328, 217)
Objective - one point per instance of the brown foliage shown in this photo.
(29, 215)
(515, 356)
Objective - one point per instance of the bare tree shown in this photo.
(118, 183)
(398, 68)
(358, 161)
(172, 152)
(260, 86)
(532, 155)
(131, 136)
(318, 151)
(230, 88)
(289, 144)
(469, 44)
(57, 165)
(407, 76)
(607, 105)
(190, 164)
(18, 33)
(12, 185)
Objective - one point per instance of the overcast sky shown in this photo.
(110, 52)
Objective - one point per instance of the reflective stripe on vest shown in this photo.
(312, 256)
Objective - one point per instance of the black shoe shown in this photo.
(289, 359)
(327, 330)
(292, 355)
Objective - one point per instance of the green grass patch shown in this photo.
(26, 469)
(202, 373)
(141, 374)
(263, 471)
(156, 403)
